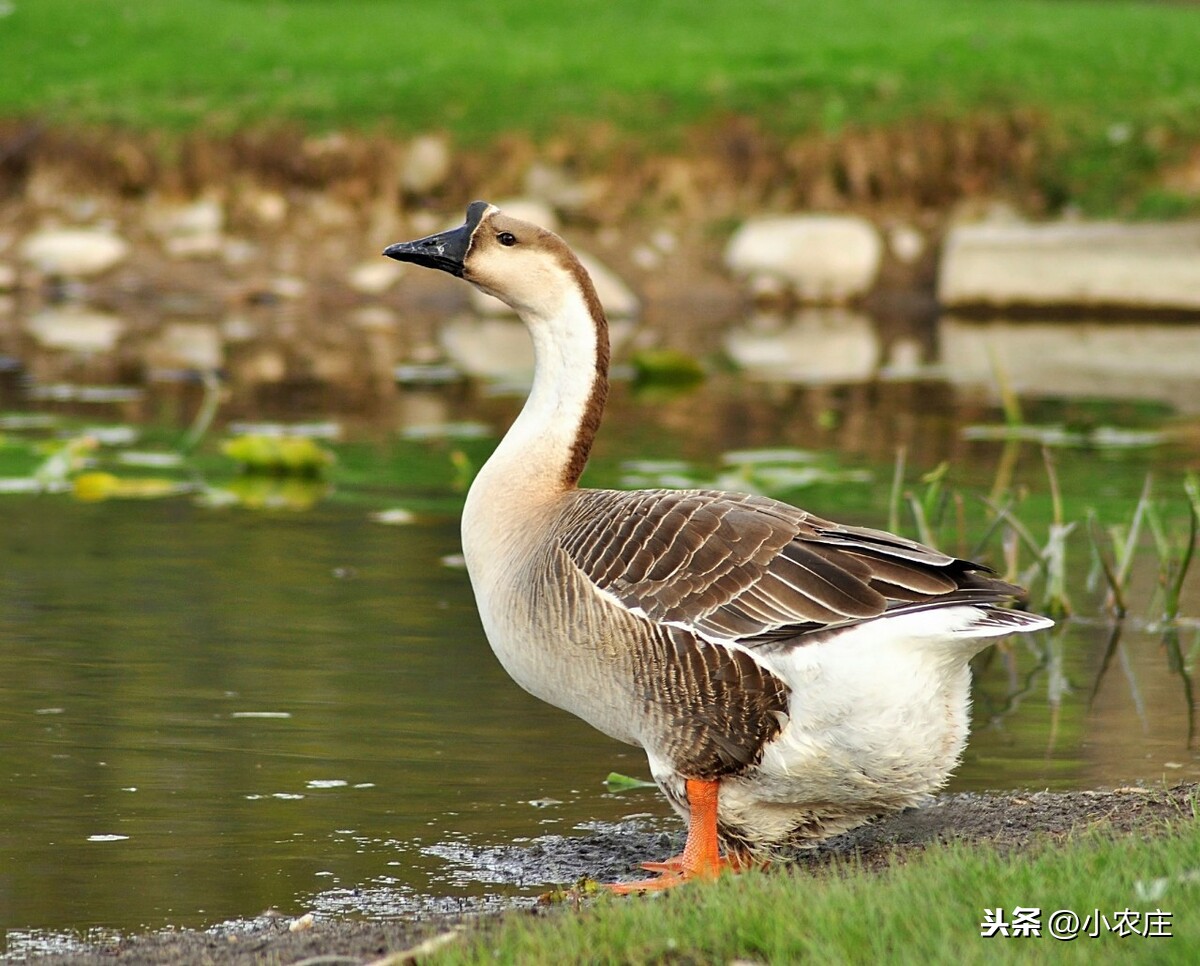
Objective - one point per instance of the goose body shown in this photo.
(788, 677)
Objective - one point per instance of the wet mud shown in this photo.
(1010, 822)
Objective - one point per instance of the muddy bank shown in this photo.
(1009, 822)
(258, 252)
(144, 259)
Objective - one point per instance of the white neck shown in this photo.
(541, 454)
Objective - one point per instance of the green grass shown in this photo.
(478, 67)
(927, 910)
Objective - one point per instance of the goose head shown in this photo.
(524, 265)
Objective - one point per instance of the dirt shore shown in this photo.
(1009, 822)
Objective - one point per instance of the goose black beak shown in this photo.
(447, 250)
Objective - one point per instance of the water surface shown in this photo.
(209, 712)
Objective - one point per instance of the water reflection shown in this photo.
(210, 711)
(813, 346)
(1110, 360)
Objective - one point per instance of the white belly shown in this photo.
(878, 718)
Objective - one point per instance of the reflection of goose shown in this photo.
(1099, 359)
(788, 677)
(813, 346)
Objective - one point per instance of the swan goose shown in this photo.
(788, 677)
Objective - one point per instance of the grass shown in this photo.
(478, 67)
(926, 910)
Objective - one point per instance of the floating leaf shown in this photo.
(65, 458)
(617, 782)
(96, 486)
(669, 366)
(281, 455)
(261, 492)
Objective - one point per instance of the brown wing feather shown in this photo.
(742, 567)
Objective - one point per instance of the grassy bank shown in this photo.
(482, 66)
(927, 910)
(1114, 85)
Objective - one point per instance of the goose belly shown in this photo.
(876, 723)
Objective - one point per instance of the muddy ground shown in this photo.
(1010, 822)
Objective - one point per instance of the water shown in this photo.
(205, 713)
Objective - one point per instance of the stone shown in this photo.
(376, 276)
(187, 345)
(75, 329)
(190, 229)
(205, 216)
(554, 186)
(375, 318)
(238, 328)
(617, 298)
(815, 346)
(426, 164)
(74, 252)
(491, 348)
(288, 287)
(906, 243)
(820, 257)
(500, 348)
(269, 208)
(1145, 266)
(193, 246)
(533, 210)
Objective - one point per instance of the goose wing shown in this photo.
(739, 567)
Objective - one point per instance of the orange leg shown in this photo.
(701, 858)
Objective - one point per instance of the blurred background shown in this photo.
(922, 264)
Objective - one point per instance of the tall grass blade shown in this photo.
(1116, 591)
(897, 486)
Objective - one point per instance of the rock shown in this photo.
(556, 187)
(491, 348)
(8, 277)
(617, 298)
(906, 243)
(376, 276)
(820, 257)
(269, 208)
(258, 365)
(74, 252)
(189, 230)
(75, 329)
(237, 252)
(330, 214)
(187, 345)
(193, 246)
(237, 328)
(1147, 266)
(815, 346)
(500, 348)
(203, 217)
(530, 209)
(288, 287)
(375, 318)
(426, 164)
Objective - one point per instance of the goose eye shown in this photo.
(507, 239)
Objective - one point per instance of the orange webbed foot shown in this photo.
(701, 857)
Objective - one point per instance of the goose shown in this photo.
(788, 677)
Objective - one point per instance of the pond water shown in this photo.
(211, 710)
